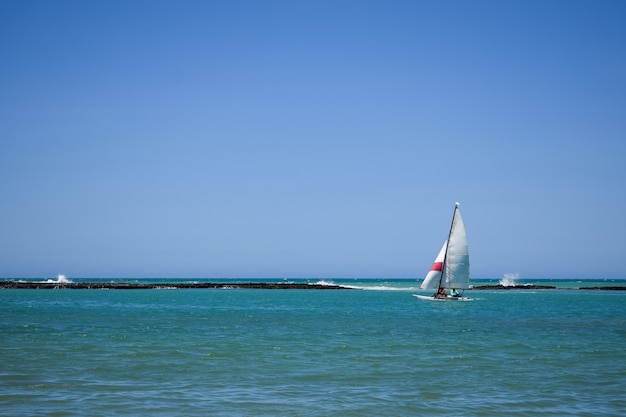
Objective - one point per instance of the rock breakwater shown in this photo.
(149, 286)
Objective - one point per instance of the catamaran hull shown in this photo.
(431, 298)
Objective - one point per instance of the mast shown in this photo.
(443, 269)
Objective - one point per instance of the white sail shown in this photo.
(451, 266)
(456, 264)
(433, 278)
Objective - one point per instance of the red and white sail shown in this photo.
(451, 267)
(433, 278)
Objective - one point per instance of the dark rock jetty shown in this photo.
(514, 287)
(543, 287)
(150, 286)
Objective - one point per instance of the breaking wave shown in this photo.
(61, 279)
(384, 288)
(326, 283)
(509, 280)
(373, 287)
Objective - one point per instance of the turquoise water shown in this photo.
(313, 353)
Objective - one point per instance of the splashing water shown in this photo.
(61, 279)
(508, 280)
(324, 282)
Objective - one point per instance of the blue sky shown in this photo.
(311, 139)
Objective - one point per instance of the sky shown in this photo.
(311, 139)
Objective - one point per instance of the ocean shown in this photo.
(372, 351)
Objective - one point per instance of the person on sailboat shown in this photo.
(441, 293)
(454, 293)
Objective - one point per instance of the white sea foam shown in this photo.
(325, 283)
(380, 287)
(386, 288)
(509, 280)
(61, 279)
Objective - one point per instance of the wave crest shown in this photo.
(509, 280)
(61, 279)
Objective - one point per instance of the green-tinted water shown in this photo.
(311, 353)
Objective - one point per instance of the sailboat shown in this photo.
(450, 271)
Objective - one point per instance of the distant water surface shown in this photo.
(239, 352)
